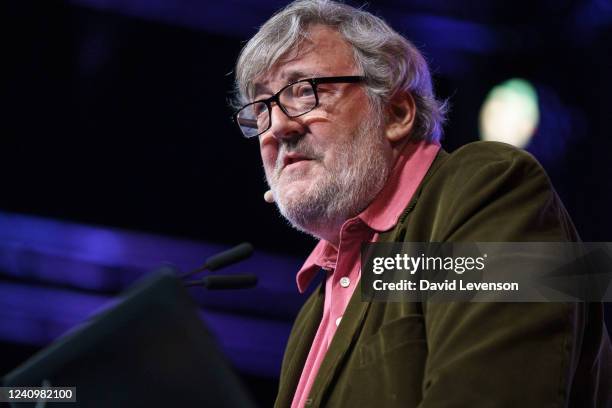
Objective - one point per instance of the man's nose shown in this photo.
(284, 127)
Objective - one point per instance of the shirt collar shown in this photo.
(384, 211)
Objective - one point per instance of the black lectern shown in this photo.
(148, 349)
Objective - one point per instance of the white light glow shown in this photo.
(510, 113)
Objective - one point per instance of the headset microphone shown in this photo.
(268, 196)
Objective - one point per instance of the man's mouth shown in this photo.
(292, 158)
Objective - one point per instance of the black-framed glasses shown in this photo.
(296, 99)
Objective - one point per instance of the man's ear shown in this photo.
(401, 111)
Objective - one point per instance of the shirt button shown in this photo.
(345, 282)
(338, 320)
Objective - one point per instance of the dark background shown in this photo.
(116, 114)
(116, 119)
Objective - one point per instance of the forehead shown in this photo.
(323, 52)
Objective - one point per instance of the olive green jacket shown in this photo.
(463, 354)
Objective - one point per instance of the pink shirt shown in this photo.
(343, 264)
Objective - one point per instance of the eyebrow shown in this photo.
(289, 77)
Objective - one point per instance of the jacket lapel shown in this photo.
(298, 347)
(342, 342)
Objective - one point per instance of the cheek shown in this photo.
(269, 153)
(340, 140)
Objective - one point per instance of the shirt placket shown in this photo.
(346, 275)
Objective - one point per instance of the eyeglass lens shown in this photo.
(295, 100)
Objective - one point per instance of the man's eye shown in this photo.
(303, 91)
(258, 109)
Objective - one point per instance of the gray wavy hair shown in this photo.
(389, 61)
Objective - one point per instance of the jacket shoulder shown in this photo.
(478, 156)
(485, 191)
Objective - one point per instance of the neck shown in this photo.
(332, 238)
(328, 231)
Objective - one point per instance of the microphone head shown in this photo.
(269, 197)
(233, 255)
(223, 259)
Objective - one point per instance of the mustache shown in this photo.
(301, 148)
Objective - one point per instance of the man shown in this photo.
(349, 131)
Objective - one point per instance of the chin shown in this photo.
(295, 191)
(306, 207)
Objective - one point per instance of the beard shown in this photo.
(347, 186)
